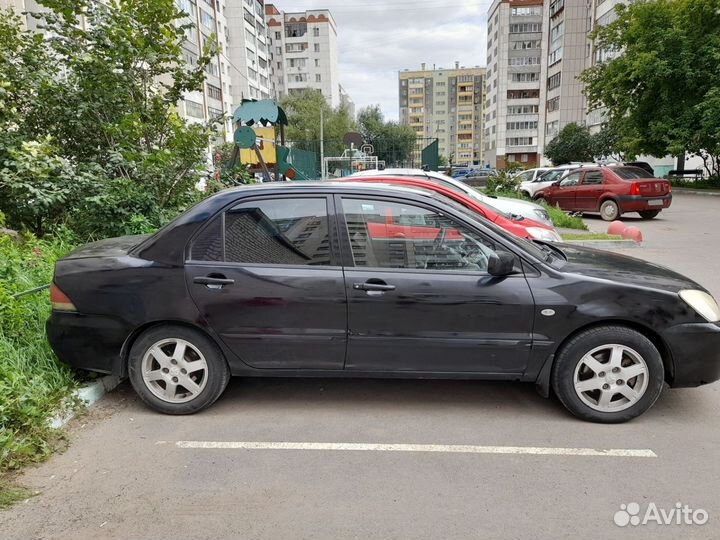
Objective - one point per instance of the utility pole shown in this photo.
(322, 144)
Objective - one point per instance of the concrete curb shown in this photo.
(89, 394)
(686, 191)
(605, 244)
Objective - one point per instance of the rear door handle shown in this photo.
(213, 282)
(373, 287)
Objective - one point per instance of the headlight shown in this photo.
(545, 235)
(704, 304)
(542, 214)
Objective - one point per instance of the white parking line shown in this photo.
(442, 448)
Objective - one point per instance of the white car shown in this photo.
(547, 177)
(517, 207)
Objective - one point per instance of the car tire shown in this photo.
(600, 394)
(525, 194)
(609, 210)
(649, 214)
(541, 200)
(165, 358)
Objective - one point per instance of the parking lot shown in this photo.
(391, 458)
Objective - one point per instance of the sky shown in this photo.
(378, 38)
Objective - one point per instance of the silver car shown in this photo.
(508, 205)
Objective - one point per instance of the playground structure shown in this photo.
(351, 161)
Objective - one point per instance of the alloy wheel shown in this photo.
(611, 378)
(174, 370)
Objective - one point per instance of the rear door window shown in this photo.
(593, 178)
(286, 231)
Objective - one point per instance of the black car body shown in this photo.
(346, 317)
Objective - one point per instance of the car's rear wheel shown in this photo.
(609, 210)
(608, 374)
(177, 370)
(649, 214)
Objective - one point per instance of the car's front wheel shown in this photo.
(608, 374)
(177, 370)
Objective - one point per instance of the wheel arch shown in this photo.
(543, 379)
(122, 369)
(608, 196)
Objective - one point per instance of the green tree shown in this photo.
(607, 144)
(394, 143)
(573, 143)
(662, 90)
(303, 112)
(102, 95)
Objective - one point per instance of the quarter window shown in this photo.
(593, 177)
(278, 231)
(396, 235)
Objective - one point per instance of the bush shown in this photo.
(33, 383)
(502, 181)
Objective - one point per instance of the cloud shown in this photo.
(377, 39)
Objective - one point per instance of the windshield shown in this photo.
(553, 175)
(534, 249)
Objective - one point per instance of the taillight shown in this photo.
(635, 189)
(60, 300)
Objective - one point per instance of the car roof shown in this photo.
(318, 185)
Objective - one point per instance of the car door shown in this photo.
(266, 278)
(419, 295)
(588, 190)
(564, 195)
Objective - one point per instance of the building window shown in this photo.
(525, 45)
(556, 32)
(552, 128)
(553, 104)
(194, 109)
(526, 11)
(317, 77)
(317, 47)
(556, 6)
(524, 61)
(553, 81)
(297, 62)
(525, 28)
(525, 77)
(214, 91)
(278, 36)
(295, 47)
(523, 94)
(295, 29)
(555, 56)
(317, 64)
(519, 141)
(316, 31)
(528, 124)
(207, 20)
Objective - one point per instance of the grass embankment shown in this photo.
(34, 385)
(559, 218)
(590, 236)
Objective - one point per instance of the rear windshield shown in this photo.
(631, 173)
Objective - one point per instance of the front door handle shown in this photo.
(370, 286)
(213, 282)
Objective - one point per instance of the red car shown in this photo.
(523, 227)
(612, 191)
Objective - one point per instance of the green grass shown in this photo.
(34, 385)
(591, 236)
(559, 218)
(11, 494)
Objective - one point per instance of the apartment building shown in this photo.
(446, 104)
(567, 53)
(304, 52)
(247, 49)
(515, 83)
(215, 98)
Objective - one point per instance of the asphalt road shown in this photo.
(127, 473)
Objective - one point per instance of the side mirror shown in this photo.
(556, 183)
(502, 264)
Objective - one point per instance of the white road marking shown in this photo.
(441, 448)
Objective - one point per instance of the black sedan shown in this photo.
(359, 280)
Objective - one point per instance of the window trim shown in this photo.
(346, 247)
(333, 234)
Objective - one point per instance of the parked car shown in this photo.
(543, 179)
(477, 178)
(358, 280)
(611, 190)
(530, 174)
(508, 205)
(517, 225)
